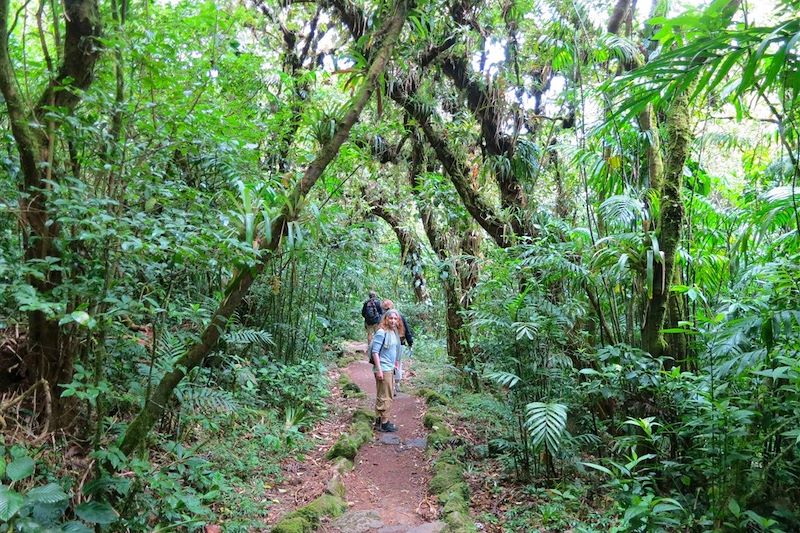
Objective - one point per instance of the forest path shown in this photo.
(387, 491)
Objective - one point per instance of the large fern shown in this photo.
(206, 399)
(249, 337)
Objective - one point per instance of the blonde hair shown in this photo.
(384, 324)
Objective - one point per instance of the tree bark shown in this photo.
(238, 287)
(670, 223)
(457, 334)
(457, 171)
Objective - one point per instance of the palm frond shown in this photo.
(504, 379)
(546, 424)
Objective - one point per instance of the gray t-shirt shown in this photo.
(388, 343)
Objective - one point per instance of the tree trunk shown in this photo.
(49, 357)
(457, 342)
(670, 223)
(238, 287)
(457, 334)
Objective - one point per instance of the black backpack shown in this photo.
(373, 315)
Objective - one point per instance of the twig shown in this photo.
(17, 400)
(48, 410)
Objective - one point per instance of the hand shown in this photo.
(380, 375)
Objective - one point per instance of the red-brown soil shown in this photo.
(390, 478)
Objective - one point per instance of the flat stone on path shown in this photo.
(388, 438)
(370, 521)
(427, 527)
(359, 521)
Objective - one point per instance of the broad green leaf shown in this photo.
(96, 513)
(50, 493)
(76, 527)
(600, 468)
(20, 468)
(10, 503)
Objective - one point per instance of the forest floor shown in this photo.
(386, 492)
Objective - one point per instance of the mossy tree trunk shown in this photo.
(448, 250)
(670, 223)
(34, 135)
(155, 405)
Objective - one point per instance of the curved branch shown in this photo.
(457, 171)
(410, 249)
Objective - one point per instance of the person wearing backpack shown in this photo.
(385, 350)
(372, 312)
(407, 339)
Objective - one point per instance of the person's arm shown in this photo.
(409, 334)
(377, 345)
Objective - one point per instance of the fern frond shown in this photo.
(249, 336)
(206, 399)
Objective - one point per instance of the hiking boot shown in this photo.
(377, 423)
(388, 427)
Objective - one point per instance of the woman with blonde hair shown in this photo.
(407, 338)
(385, 350)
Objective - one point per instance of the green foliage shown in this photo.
(303, 386)
(28, 506)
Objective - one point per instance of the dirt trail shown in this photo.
(387, 489)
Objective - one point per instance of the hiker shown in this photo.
(406, 339)
(385, 350)
(372, 312)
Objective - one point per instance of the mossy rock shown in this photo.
(459, 523)
(350, 389)
(439, 438)
(296, 524)
(455, 498)
(335, 486)
(432, 420)
(353, 394)
(446, 476)
(363, 415)
(346, 447)
(432, 397)
(454, 456)
(360, 432)
(343, 465)
(325, 505)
